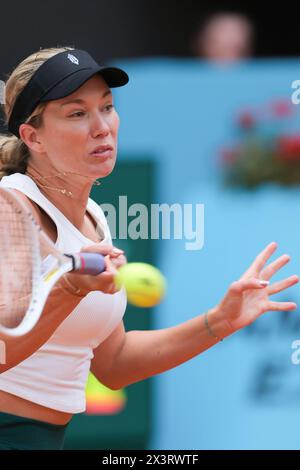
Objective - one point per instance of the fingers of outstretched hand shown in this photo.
(260, 260)
(245, 284)
(280, 306)
(274, 267)
(282, 285)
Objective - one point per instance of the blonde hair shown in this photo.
(14, 153)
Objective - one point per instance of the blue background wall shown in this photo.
(245, 392)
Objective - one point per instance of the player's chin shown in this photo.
(103, 168)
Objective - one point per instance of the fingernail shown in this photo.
(264, 283)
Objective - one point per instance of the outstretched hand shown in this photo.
(249, 297)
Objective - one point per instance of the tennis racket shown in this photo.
(30, 265)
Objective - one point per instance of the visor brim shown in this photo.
(113, 76)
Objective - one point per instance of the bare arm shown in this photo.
(136, 355)
(125, 358)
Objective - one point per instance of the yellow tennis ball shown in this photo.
(144, 284)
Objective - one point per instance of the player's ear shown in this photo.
(29, 135)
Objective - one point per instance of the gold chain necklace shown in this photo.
(62, 191)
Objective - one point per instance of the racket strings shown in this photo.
(17, 262)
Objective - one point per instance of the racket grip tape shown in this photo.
(88, 263)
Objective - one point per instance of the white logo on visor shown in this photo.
(73, 59)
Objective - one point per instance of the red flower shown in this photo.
(246, 120)
(282, 108)
(289, 148)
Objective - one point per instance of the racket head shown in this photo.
(30, 265)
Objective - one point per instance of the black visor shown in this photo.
(58, 77)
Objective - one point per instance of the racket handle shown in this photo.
(88, 263)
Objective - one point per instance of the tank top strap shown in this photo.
(27, 186)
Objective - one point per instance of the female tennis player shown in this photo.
(59, 111)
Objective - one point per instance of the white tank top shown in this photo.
(55, 375)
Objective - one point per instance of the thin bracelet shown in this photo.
(211, 333)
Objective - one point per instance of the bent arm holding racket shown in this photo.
(39, 285)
